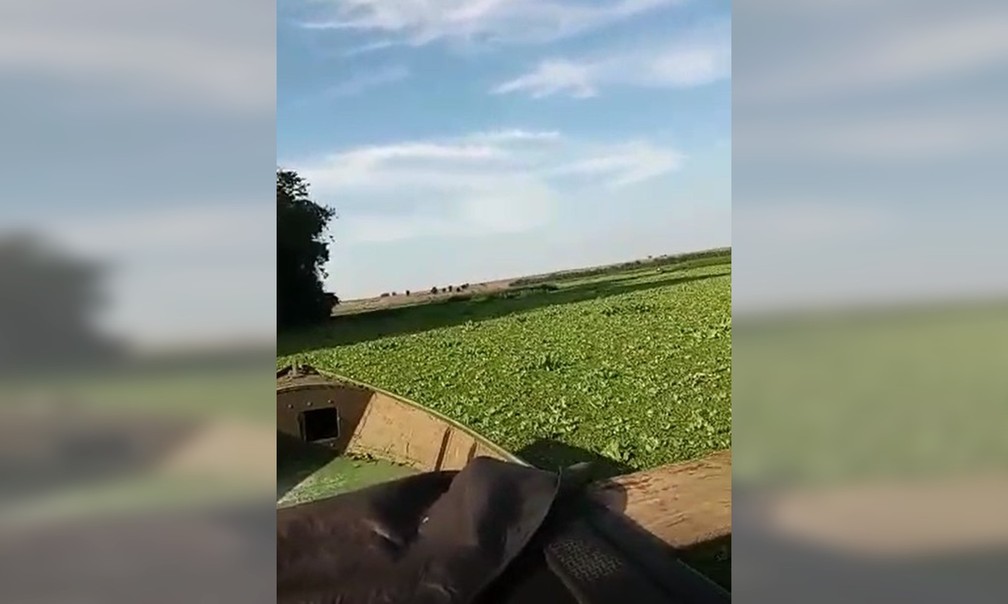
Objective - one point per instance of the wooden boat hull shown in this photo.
(687, 506)
(353, 418)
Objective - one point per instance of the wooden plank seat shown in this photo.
(682, 504)
(687, 506)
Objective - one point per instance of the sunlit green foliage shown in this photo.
(634, 367)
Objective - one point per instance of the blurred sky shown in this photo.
(132, 133)
(465, 141)
(864, 164)
(869, 145)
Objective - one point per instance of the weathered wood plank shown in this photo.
(682, 504)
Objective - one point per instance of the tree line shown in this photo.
(302, 251)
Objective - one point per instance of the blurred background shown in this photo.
(137, 301)
(870, 391)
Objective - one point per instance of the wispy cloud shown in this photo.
(370, 47)
(515, 135)
(625, 164)
(419, 22)
(553, 76)
(361, 82)
(696, 61)
(516, 209)
(501, 181)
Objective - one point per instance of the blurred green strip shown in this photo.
(134, 495)
(854, 396)
(247, 393)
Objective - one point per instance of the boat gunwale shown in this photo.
(333, 378)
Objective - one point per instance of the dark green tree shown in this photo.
(49, 303)
(302, 251)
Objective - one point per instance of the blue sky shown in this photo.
(479, 139)
(143, 137)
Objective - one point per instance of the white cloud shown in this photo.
(483, 183)
(557, 75)
(519, 208)
(515, 135)
(410, 163)
(626, 164)
(421, 151)
(419, 22)
(699, 60)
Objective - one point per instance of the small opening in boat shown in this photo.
(319, 424)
